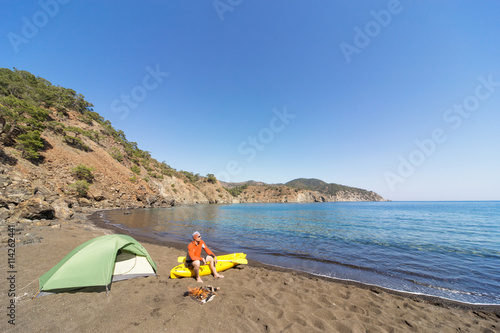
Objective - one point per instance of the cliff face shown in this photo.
(58, 158)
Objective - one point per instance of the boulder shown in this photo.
(39, 187)
(4, 202)
(96, 194)
(34, 209)
(62, 210)
(140, 197)
(84, 202)
(18, 194)
(151, 200)
(4, 214)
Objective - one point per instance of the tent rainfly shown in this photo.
(97, 263)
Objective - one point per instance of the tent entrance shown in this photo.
(128, 265)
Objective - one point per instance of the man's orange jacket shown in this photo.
(194, 251)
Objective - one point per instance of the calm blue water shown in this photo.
(445, 249)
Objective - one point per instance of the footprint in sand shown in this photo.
(357, 309)
(327, 301)
(325, 314)
(319, 324)
(339, 327)
(375, 308)
(298, 320)
(346, 296)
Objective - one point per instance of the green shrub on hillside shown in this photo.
(135, 169)
(146, 164)
(191, 177)
(56, 127)
(155, 175)
(92, 135)
(236, 191)
(30, 143)
(116, 154)
(76, 142)
(81, 187)
(83, 172)
(166, 169)
(211, 178)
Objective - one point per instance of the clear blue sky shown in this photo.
(398, 97)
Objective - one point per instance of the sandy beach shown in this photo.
(252, 298)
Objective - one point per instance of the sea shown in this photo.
(449, 250)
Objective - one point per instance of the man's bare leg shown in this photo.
(196, 266)
(211, 263)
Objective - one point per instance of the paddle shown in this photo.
(238, 261)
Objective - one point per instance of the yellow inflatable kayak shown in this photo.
(223, 262)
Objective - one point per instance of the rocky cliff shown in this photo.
(58, 157)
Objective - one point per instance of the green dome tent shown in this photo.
(99, 262)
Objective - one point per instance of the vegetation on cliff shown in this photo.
(326, 188)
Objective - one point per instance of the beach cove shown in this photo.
(449, 250)
(255, 297)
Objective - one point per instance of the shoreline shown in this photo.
(438, 301)
(254, 297)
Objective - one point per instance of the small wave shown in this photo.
(470, 294)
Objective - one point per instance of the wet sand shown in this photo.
(252, 298)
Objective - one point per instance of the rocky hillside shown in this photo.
(334, 192)
(59, 157)
(298, 190)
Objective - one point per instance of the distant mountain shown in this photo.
(332, 189)
(298, 190)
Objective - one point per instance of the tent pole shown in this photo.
(36, 294)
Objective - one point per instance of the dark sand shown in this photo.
(253, 298)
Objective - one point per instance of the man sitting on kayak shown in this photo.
(195, 259)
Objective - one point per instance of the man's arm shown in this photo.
(207, 250)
